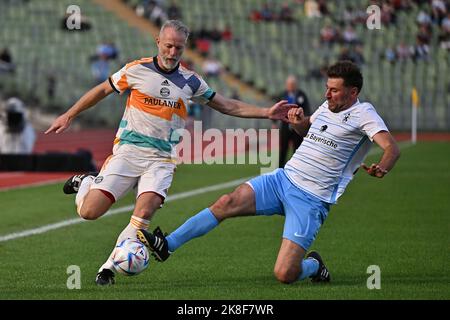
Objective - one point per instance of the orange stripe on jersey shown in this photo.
(123, 83)
(135, 62)
(158, 107)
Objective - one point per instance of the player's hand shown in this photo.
(60, 124)
(279, 111)
(375, 170)
(296, 115)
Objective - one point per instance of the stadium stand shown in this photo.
(260, 53)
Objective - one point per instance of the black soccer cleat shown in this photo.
(73, 183)
(105, 278)
(156, 242)
(322, 275)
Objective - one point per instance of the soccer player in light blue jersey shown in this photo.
(337, 139)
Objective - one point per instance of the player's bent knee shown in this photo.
(89, 212)
(286, 275)
(224, 203)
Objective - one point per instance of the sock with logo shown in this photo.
(84, 188)
(129, 232)
(194, 227)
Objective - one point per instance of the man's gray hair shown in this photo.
(177, 25)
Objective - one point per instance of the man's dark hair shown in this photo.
(348, 71)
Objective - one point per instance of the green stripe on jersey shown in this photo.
(140, 140)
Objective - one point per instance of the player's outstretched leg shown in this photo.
(322, 275)
(156, 242)
(73, 184)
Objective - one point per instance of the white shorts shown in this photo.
(122, 172)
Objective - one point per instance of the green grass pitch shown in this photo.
(400, 223)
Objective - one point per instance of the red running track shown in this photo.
(100, 143)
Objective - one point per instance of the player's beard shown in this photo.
(170, 64)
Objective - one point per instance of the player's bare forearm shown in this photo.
(302, 127)
(237, 108)
(241, 109)
(88, 100)
(390, 155)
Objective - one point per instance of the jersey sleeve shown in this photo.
(204, 93)
(124, 79)
(371, 122)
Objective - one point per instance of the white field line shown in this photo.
(69, 222)
(177, 196)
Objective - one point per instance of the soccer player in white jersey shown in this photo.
(338, 137)
(144, 148)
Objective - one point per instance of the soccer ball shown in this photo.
(130, 257)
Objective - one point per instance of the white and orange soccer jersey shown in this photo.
(156, 107)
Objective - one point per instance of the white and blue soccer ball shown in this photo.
(130, 257)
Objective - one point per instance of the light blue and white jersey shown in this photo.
(333, 149)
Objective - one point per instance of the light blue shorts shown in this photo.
(304, 213)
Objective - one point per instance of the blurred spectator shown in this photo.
(267, 12)
(348, 16)
(286, 13)
(255, 16)
(402, 51)
(203, 46)
(6, 62)
(312, 9)
(328, 34)
(174, 12)
(100, 68)
(107, 49)
(156, 13)
(51, 85)
(322, 6)
(17, 135)
(349, 35)
(423, 18)
(420, 51)
(353, 54)
(227, 34)
(388, 15)
(444, 33)
(288, 137)
(424, 34)
(444, 41)
(187, 63)
(390, 55)
(211, 67)
(438, 11)
(445, 24)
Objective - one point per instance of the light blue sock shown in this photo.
(194, 227)
(309, 267)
